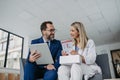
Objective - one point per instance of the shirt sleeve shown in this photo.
(90, 52)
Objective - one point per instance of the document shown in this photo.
(43, 49)
(67, 46)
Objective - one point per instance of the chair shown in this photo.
(101, 60)
(22, 64)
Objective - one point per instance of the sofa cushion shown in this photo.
(103, 62)
(97, 77)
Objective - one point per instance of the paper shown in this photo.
(46, 57)
(67, 46)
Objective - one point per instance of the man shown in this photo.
(33, 71)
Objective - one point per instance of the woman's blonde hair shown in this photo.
(82, 34)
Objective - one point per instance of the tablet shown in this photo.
(46, 57)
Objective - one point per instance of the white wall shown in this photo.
(105, 49)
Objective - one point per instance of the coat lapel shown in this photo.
(41, 40)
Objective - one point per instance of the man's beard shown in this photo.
(51, 37)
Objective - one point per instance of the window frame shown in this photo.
(7, 45)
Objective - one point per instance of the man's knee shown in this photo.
(50, 75)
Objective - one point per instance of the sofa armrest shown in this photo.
(22, 64)
(103, 61)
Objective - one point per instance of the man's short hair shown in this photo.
(44, 25)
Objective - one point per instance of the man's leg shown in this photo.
(32, 72)
(50, 75)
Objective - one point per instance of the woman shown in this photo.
(84, 47)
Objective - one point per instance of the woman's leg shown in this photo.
(76, 72)
(64, 72)
(87, 71)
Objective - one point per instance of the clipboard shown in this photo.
(46, 57)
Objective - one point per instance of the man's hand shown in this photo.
(50, 67)
(34, 55)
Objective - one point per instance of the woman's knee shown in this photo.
(76, 67)
(62, 70)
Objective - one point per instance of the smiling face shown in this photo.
(78, 33)
(74, 32)
(49, 33)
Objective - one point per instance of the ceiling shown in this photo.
(100, 17)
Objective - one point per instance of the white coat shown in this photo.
(76, 71)
(89, 54)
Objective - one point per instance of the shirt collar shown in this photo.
(45, 40)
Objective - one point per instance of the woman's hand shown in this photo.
(64, 53)
(73, 52)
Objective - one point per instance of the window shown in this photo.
(11, 49)
(2, 47)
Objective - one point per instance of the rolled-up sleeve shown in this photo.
(90, 52)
